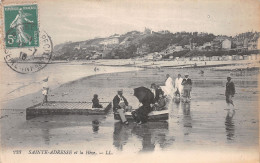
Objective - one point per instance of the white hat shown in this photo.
(186, 74)
(120, 90)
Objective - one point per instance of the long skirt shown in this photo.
(141, 114)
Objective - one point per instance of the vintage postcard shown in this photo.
(129, 81)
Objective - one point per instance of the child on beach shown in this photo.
(95, 102)
(45, 89)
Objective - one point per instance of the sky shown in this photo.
(80, 20)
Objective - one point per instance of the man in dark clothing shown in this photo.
(119, 105)
(230, 91)
(156, 91)
(187, 85)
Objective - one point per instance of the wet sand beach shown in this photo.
(204, 124)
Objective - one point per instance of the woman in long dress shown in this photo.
(168, 88)
(18, 23)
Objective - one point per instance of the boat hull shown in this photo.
(162, 115)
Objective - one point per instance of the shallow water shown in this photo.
(204, 123)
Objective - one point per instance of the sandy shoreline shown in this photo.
(58, 74)
(228, 65)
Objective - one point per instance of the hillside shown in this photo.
(136, 44)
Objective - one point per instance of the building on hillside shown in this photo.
(77, 47)
(226, 44)
(187, 47)
(169, 49)
(163, 32)
(254, 44)
(147, 31)
(178, 48)
(110, 41)
(149, 56)
(206, 46)
(157, 56)
(115, 35)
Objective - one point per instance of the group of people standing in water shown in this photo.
(181, 88)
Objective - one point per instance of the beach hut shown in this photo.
(214, 58)
(187, 59)
(194, 58)
(224, 57)
(253, 57)
(235, 57)
(245, 57)
(206, 58)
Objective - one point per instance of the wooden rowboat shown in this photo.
(161, 115)
(66, 108)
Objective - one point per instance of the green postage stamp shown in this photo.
(21, 26)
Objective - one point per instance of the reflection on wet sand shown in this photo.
(186, 116)
(149, 134)
(95, 126)
(120, 135)
(46, 135)
(230, 125)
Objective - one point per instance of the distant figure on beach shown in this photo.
(178, 86)
(230, 91)
(187, 86)
(95, 102)
(45, 90)
(168, 88)
(96, 69)
(120, 105)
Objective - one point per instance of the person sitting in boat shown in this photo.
(157, 91)
(120, 105)
(159, 99)
(146, 97)
(160, 104)
(95, 102)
